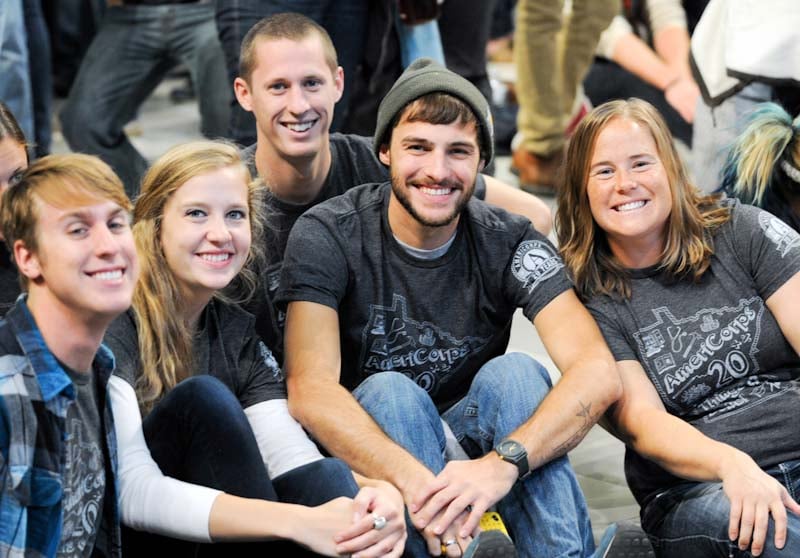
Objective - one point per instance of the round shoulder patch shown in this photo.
(533, 262)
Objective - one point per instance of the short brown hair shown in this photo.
(289, 25)
(436, 108)
(59, 180)
(583, 244)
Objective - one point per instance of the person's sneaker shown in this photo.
(537, 173)
(491, 544)
(624, 540)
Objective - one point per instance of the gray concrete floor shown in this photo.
(597, 460)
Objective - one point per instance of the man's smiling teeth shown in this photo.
(300, 126)
(108, 275)
(215, 257)
(435, 191)
(630, 205)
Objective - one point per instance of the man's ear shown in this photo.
(384, 155)
(242, 92)
(338, 81)
(27, 261)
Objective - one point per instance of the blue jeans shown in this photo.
(133, 50)
(419, 41)
(344, 20)
(546, 514)
(691, 520)
(15, 83)
(40, 76)
(198, 433)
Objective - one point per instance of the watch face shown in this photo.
(511, 448)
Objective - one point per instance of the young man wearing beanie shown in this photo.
(400, 299)
(290, 80)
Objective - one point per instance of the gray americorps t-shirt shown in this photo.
(353, 162)
(437, 321)
(713, 349)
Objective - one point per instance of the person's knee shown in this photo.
(515, 376)
(392, 396)
(205, 396)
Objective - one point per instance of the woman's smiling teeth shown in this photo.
(631, 205)
(300, 126)
(214, 258)
(108, 275)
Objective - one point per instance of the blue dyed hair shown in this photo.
(763, 160)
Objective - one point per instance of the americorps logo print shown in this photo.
(707, 362)
(535, 261)
(393, 341)
(782, 235)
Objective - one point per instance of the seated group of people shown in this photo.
(160, 372)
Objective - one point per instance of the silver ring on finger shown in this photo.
(378, 522)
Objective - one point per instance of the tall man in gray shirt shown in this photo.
(400, 299)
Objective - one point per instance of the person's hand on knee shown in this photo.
(754, 496)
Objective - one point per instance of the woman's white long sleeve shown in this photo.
(149, 500)
(283, 443)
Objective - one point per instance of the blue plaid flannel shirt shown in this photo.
(35, 393)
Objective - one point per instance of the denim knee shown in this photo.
(394, 396)
(513, 376)
(406, 413)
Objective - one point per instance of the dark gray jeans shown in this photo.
(133, 50)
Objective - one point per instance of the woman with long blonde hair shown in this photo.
(199, 401)
(697, 299)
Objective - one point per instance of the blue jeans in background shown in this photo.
(15, 82)
(691, 520)
(40, 76)
(134, 49)
(199, 433)
(419, 41)
(344, 20)
(546, 514)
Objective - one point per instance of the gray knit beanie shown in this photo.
(425, 76)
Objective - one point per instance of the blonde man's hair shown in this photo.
(63, 181)
(583, 245)
(165, 343)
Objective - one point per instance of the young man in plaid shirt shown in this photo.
(67, 224)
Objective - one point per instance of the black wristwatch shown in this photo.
(513, 452)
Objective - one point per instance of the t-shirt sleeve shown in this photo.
(263, 379)
(535, 275)
(122, 339)
(315, 267)
(766, 246)
(614, 335)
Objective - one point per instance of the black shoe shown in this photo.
(491, 544)
(625, 540)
